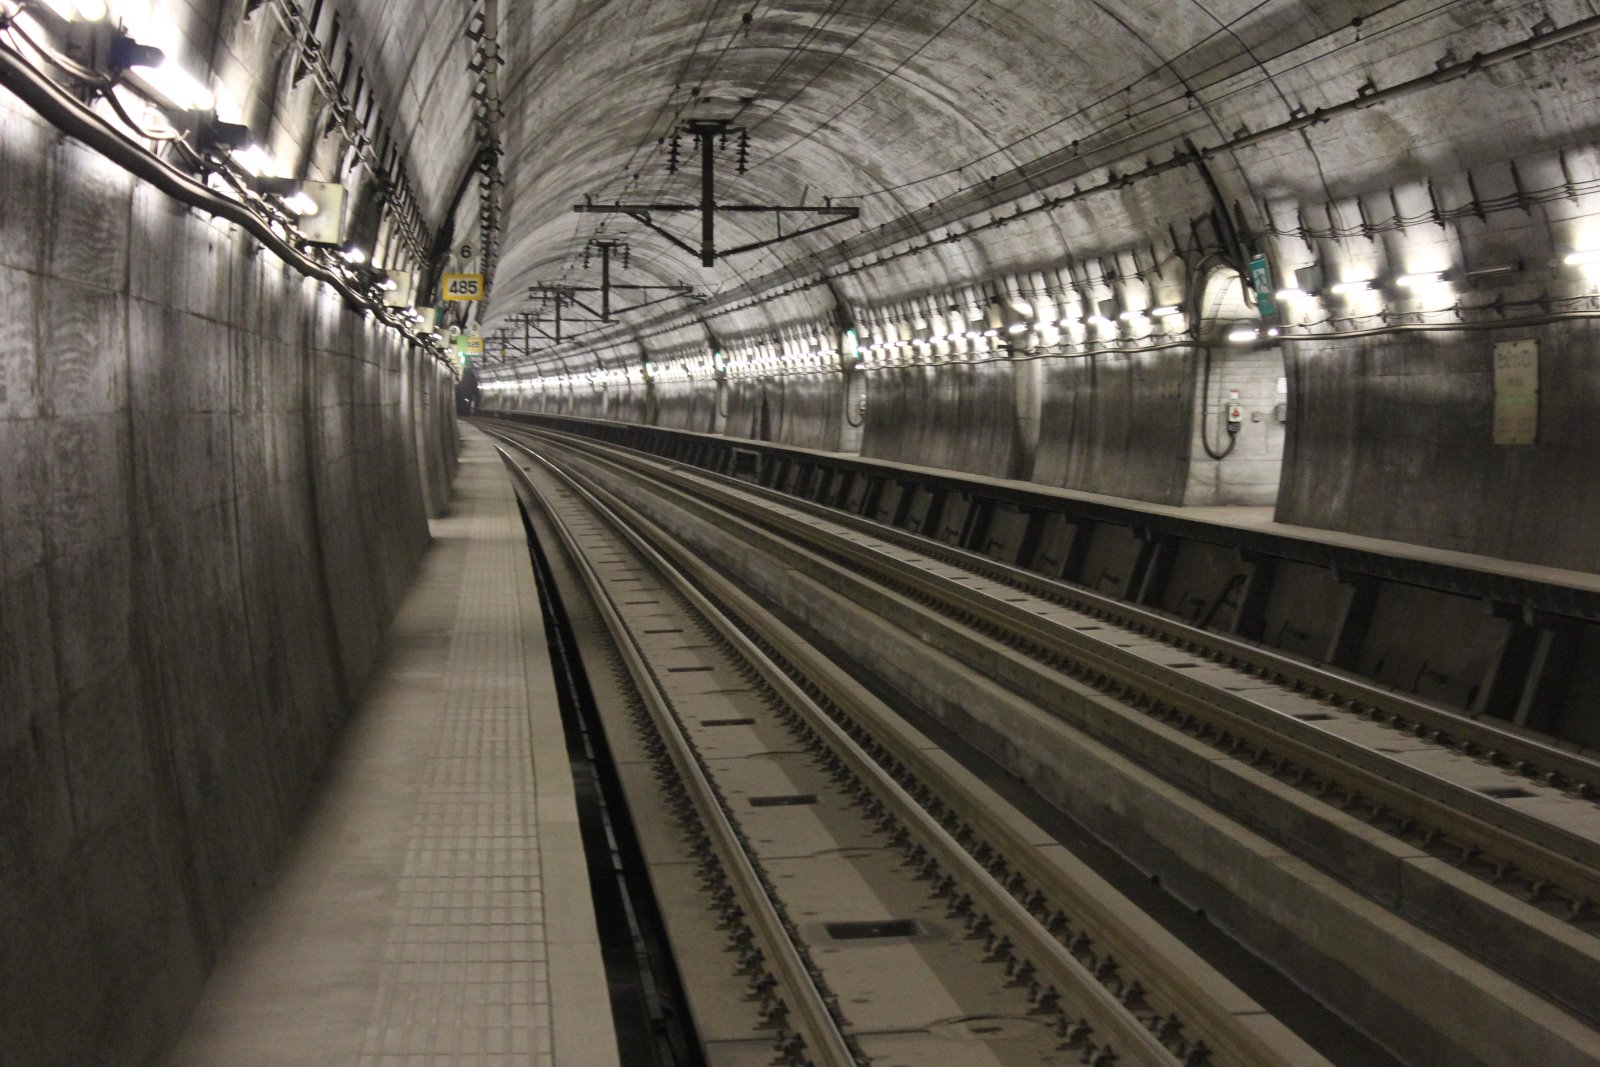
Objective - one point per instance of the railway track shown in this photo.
(1511, 812)
(882, 905)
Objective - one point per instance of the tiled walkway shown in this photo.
(435, 909)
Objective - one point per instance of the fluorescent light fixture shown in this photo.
(1292, 294)
(1579, 259)
(1166, 311)
(301, 204)
(991, 333)
(354, 255)
(177, 87)
(1420, 280)
(1493, 270)
(1017, 327)
(254, 159)
(973, 335)
(84, 10)
(1131, 315)
(1242, 334)
(1354, 285)
(1068, 320)
(1272, 332)
(1100, 320)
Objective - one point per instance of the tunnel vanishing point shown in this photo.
(1274, 320)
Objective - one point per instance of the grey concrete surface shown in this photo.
(435, 908)
(1417, 412)
(954, 417)
(212, 502)
(214, 477)
(1119, 424)
(990, 111)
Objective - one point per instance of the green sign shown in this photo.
(1261, 282)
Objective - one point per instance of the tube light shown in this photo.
(1017, 327)
(85, 10)
(1166, 311)
(1420, 280)
(1295, 294)
(1068, 320)
(1494, 270)
(255, 159)
(1354, 285)
(1243, 334)
(1131, 315)
(301, 204)
(1578, 259)
(177, 87)
(991, 333)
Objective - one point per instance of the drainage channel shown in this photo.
(653, 1024)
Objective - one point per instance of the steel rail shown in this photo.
(1537, 756)
(1534, 755)
(1187, 985)
(1503, 832)
(818, 1026)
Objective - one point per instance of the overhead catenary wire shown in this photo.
(1161, 101)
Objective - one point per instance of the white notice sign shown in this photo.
(1516, 392)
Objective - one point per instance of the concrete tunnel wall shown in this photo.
(1419, 407)
(1469, 164)
(214, 484)
(1384, 390)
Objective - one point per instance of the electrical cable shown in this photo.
(896, 69)
(72, 117)
(827, 66)
(55, 58)
(1155, 100)
(111, 98)
(1205, 406)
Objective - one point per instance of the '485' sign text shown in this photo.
(462, 286)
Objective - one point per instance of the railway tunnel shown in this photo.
(811, 532)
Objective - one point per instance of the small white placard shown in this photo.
(1516, 392)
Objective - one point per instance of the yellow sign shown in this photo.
(471, 345)
(462, 286)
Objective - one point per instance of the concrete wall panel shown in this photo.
(687, 405)
(1117, 423)
(211, 501)
(1392, 436)
(961, 417)
(811, 415)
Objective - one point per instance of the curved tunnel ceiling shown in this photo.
(930, 114)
